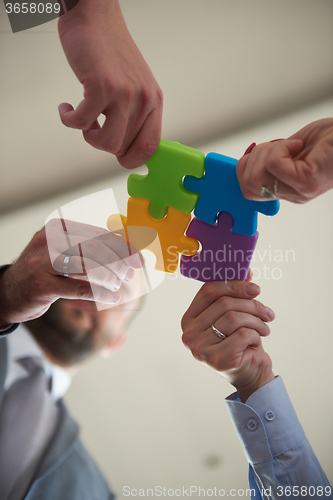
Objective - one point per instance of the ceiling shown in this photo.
(222, 66)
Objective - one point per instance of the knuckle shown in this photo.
(244, 333)
(209, 291)
(108, 88)
(147, 148)
(84, 290)
(112, 147)
(187, 337)
(35, 261)
(128, 93)
(225, 302)
(159, 98)
(183, 322)
(231, 316)
(146, 97)
(81, 123)
(39, 238)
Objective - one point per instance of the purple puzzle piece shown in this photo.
(224, 256)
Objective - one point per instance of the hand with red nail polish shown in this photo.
(296, 169)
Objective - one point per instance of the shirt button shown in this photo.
(252, 424)
(269, 415)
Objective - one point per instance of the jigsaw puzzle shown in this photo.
(179, 180)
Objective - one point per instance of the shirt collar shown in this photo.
(21, 344)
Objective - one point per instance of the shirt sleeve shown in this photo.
(8, 328)
(281, 459)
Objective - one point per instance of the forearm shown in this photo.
(88, 10)
(275, 445)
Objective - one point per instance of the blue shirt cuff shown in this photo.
(267, 424)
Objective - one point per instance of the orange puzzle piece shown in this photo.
(168, 239)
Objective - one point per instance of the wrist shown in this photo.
(246, 390)
(86, 10)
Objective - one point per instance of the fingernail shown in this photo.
(116, 286)
(129, 275)
(270, 313)
(252, 289)
(249, 149)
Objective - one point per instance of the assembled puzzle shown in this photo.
(192, 205)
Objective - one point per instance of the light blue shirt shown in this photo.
(281, 459)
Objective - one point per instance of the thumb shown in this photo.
(294, 146)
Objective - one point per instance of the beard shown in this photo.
(67, 343)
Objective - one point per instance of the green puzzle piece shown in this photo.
(163, 185)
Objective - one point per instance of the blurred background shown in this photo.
(232, 73)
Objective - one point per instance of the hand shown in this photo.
(240, 357)
(99, 262)
(302, 164)
(117, 83)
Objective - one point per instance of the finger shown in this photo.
(76, 228)
(86, 270)
(145, 143)
(67, 288)
(221, 355)
(84, 116)
(123, 249)
(93, 254)
(62, 234)
(233, 320)
(110, 137)
(230, 307)
(254, 172)
(210, 292)
(284, 165)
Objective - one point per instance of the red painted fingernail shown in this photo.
(249, 149)
(276, 140)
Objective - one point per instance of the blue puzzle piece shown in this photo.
(219, 191)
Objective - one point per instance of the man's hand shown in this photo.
(98, 262)
(239, 357)
(302, 165)
(117, 83)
